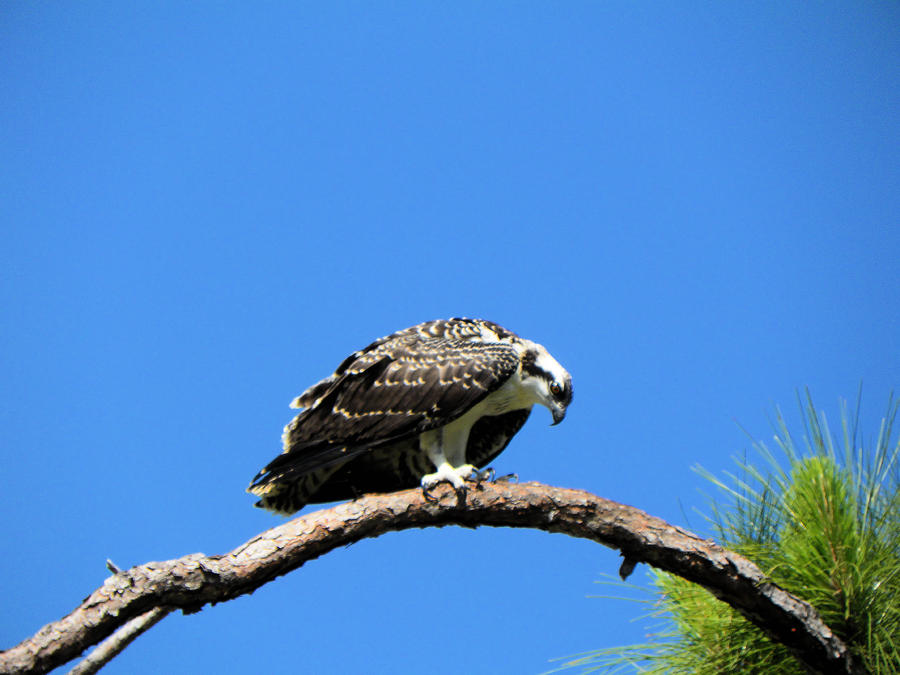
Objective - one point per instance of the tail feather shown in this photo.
(285, 495)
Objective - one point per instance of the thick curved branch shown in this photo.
(190, 582)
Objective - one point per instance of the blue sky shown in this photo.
(204, 208)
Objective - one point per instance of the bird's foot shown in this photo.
(456, 476)
(488, 475)
(483, 476)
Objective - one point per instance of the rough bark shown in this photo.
(195, 580)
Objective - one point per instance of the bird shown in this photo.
(432, 403)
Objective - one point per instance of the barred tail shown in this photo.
(286, 495)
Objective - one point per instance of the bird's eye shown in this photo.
(556, 388)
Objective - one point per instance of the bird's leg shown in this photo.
(446, 471)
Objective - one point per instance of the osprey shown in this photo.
(429, 404)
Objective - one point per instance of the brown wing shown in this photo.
(448, 329)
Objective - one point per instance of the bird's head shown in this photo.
(547, 381)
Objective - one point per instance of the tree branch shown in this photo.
(115, 643)
(191, 582)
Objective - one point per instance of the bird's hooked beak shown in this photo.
(559, 414)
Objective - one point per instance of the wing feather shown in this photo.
(455, 329)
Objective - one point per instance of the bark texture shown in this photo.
(195, 580)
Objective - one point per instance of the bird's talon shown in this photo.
(479, 477)
(508, 478)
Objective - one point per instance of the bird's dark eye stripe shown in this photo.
(530, 366)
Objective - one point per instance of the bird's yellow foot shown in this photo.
(456, 476)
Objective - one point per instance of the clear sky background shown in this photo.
(204, 208)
